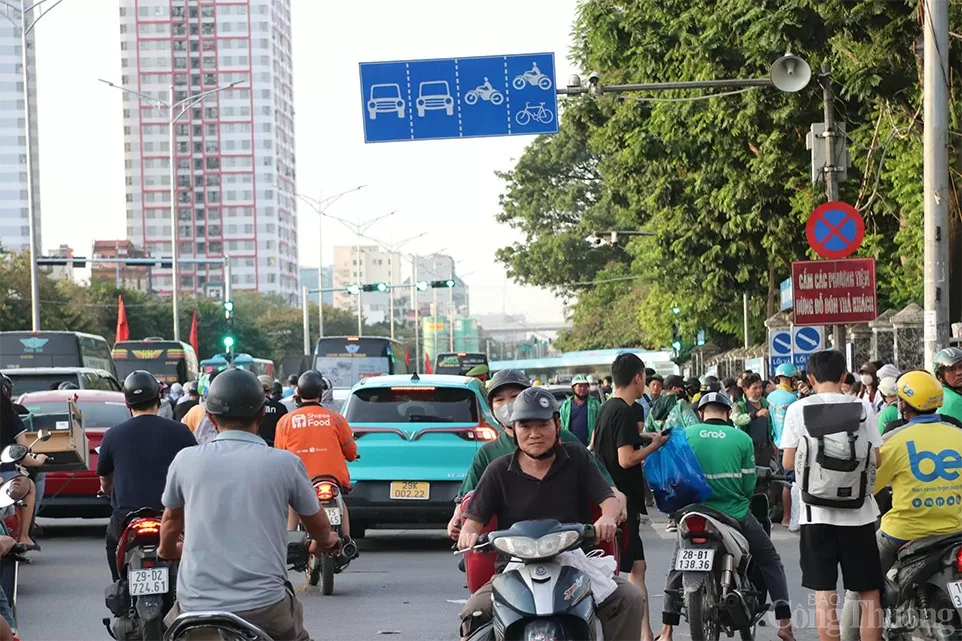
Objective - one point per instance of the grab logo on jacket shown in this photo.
(937, 465)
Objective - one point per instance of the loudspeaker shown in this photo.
(790, 73)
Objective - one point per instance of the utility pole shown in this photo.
(306, 319)
(829, 171)
(935, 102)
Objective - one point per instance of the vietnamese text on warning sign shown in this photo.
(834, 292)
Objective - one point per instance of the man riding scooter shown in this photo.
(539, 481)
(320, 437)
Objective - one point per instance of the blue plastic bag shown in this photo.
(674, 475)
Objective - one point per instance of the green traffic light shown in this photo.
(421, 285)
(382, 287)
(228, 342)
(449, 282)
(676, 310)
(677, 345)
(228, 305)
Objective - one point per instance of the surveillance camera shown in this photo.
(594, 78)
(574, 81)
(594, 240)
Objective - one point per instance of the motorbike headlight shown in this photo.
(524, 547)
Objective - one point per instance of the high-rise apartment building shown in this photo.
(14, 213)
(233, 150)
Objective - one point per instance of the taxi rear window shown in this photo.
(413, 405)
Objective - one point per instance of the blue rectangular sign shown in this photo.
(786, 294)
(459, 98)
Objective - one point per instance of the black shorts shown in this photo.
(823, 548)
(634, 548)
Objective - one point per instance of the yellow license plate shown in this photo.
(410, 490)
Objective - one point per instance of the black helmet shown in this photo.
(711, 384)
(692, 385)
(310, 385)
(535, 402)
(506, 377)
(140, 387)
(6, 385)
(674, 380)
(277, 389)
(236, 393)
(714, 398)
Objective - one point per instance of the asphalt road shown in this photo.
(405, 585)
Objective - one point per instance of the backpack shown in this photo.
(832, 463)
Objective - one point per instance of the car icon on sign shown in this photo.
(385, 98)
(434, 95)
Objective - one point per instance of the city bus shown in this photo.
(459, 363)
(345, 360)
(54, 349)
(259, 366)
(169, 361)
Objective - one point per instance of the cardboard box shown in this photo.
(67, 445)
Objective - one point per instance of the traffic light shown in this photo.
(675, 338)
(353, 290)
(443, 283)
(228, 309)
(421, 285)
(375, 287)
(228, 342)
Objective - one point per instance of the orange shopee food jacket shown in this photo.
(321, 438)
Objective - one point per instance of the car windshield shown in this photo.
(434, 89)
(385, 91)
(413, 405)
(38, 383)
(95, 413)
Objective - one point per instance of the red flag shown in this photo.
(427, 364)
(123, 330)
(193, 333)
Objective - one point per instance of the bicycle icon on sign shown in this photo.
(538, 113)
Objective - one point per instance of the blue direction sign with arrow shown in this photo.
(806, 341)
(459, 97)
(779, 348)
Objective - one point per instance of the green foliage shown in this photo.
(264, 326)
(724, 182)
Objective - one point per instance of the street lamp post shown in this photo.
(171, 106)
(25, 28)
(320, 208)
(394, 248)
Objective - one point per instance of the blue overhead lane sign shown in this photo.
(459, 97)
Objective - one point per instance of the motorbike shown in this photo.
(532, 77)
(146, 590)
(543, 599)
(229, 626)
(322, 568)
(723, 590)
(491, 94)
(922, 597)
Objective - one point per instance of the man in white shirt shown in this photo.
(837, 536)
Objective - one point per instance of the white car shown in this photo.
(385, 98)
(435, 95)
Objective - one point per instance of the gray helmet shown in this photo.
(236, 393)
(506, 377)
(535, 403)
(946, 358)
(714, 398)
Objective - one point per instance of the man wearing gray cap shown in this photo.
(538, 482)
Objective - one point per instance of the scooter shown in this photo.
(230, 626)
(489, 94)
(146, 590)
(922, 598)
(321, 569)
(723, 591)
(543, 599)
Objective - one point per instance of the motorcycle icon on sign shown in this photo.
(532, 77)
(538, 113)
(484, 92)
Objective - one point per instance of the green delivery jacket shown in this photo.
(951, 403)
(594, 406)
(505, 446)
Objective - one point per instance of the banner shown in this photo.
(834, 292)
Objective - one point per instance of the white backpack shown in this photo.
(832, 463)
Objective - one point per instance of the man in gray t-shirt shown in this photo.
(233, 494)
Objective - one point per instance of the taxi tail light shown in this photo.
(958, 560)
(413, 388)
(326, 491)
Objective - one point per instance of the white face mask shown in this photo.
(867, 379)
(503, 413)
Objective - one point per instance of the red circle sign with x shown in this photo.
(835, 230)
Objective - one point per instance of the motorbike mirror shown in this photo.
(13, 453)
(43, 435)
(12, 491)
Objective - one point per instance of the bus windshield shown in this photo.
(459, 364)
(54, 349)
(345, 360)
(170, 361)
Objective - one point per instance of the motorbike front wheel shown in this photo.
(152, 630)
(470, 98)
(702, 606)
(328, 565)
(519, 83)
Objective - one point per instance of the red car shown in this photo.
(74, 494)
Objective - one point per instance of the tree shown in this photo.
(722, 183)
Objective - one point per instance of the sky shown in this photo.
(445, 188)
